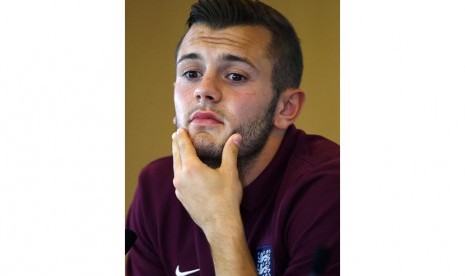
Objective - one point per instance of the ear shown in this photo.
(288, 108)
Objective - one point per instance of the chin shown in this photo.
(206, 138)
(206, 142)
(209, 153)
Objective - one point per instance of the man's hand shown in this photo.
(212, 197)
(209, 195)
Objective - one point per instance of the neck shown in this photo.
(252, 168)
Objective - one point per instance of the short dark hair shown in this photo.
(284, 48)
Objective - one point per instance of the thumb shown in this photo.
(230, 151)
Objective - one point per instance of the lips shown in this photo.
(205, 118)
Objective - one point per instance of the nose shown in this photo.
(208, 90)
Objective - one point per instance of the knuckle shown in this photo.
(178, 194)
(177, 183)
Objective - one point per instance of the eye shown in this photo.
(236, 77)
(192, 74)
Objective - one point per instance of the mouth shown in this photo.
(205, 118)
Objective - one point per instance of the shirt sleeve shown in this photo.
(142, 259)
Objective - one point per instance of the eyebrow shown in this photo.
(233, 58)
(191, 56)
(224, 57)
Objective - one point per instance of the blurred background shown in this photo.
(153, 29)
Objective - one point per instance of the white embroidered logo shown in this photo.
(179, 273)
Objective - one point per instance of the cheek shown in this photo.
(180, 110)
(178, 97)
(182, 92)
(249, 111)
(181, 99)
(184, 103)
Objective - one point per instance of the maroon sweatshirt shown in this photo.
(290, 215)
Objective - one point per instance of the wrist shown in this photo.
(228, 244)
(226, 228)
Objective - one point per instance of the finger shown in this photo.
(185, 146)
(230, 152)
(177, 163)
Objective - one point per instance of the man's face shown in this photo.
(223, 86)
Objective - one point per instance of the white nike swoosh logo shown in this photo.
(179, 273)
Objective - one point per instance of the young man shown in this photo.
(245, 192)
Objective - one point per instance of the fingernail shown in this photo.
(237, 140)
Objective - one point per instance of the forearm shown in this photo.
(231, 255)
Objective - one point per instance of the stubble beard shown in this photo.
(254, 137)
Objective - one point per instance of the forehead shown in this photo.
(246, 40)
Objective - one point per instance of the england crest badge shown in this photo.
(263, 261)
